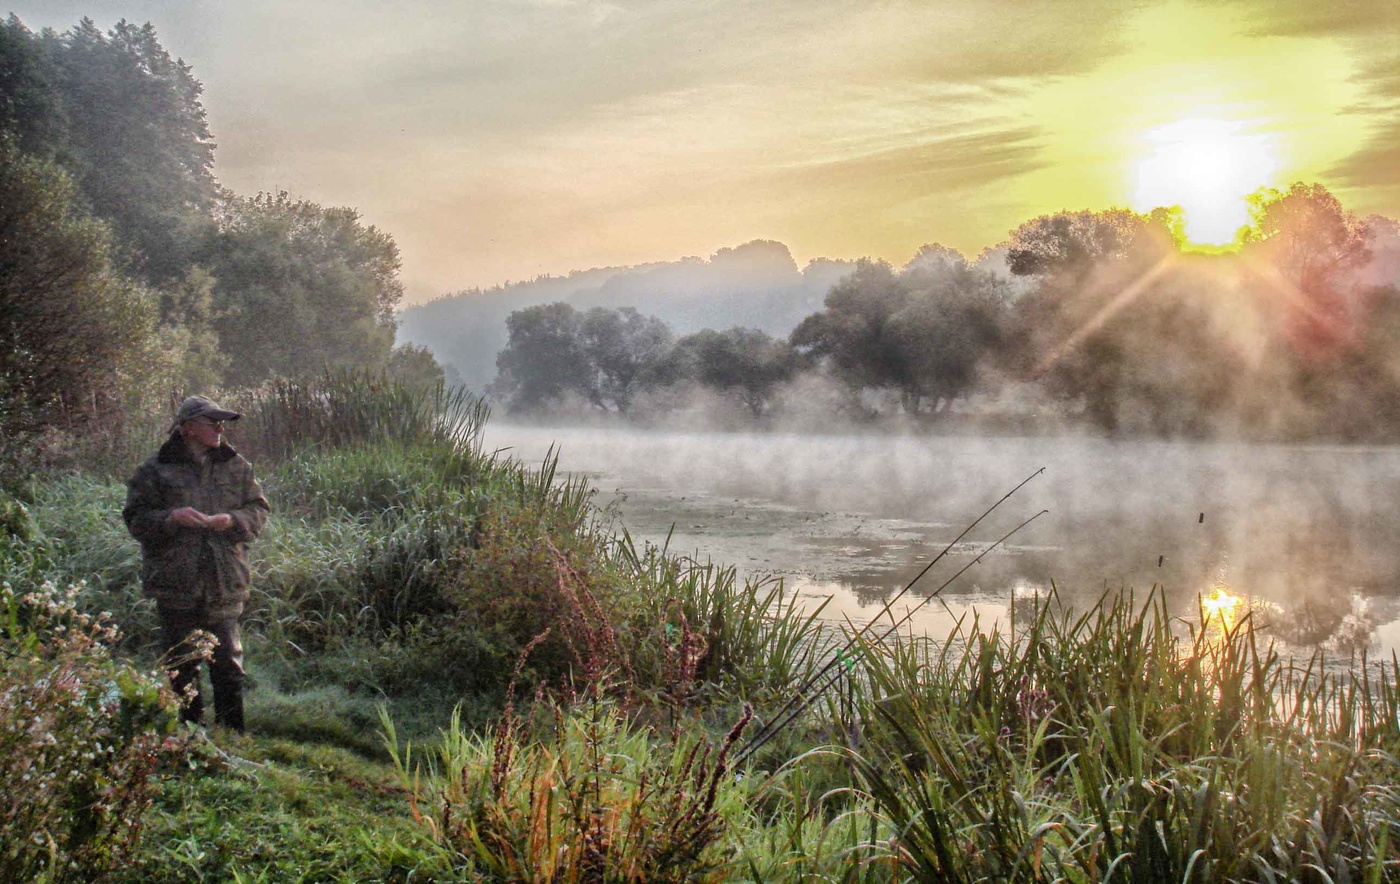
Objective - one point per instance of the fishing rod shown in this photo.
(775, 726)
(888, 606)
(836, 660)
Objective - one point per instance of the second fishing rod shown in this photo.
(793, 711)
(807, 684)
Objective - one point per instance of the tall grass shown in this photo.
(344, 407)
(751, 635)
(1107, 746)
(601, 799)
(396, 564)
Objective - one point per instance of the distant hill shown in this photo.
(755, 285)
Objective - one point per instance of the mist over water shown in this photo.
(1305, 533)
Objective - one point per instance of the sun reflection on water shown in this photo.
(1220, 609)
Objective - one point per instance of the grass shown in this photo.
(280, 810)
(601, 800)
(1105, 744)
(558, 703)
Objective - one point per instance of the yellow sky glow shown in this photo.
(1197, 112)
(500, 141)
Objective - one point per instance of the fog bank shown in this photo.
(1306, 529)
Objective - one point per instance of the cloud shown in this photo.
(978, 42)
(1318, 18)
(935, 164)
(1375, 168)
(498, 138)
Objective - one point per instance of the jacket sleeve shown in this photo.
(145, 513)
(250, 515)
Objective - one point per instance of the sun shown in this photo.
(1207, 167)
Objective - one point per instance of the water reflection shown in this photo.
(1303, 535)
(1221, 610)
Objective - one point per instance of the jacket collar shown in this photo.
(176, 451)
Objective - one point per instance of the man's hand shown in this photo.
(219, 522)
(189, 517)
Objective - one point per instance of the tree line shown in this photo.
(1100, 320)
(127, 272)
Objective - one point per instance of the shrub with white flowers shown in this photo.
(81, 738)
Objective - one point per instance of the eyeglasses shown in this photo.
(217, 425)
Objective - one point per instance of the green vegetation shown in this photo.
(1107, 746)
(461, 673)
(128, 276)
(460, 670)
(81, 737)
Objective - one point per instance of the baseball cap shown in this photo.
(199, 406)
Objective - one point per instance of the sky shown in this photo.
(498, 140)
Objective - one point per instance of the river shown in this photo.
(1305, 535)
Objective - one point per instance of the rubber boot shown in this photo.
(228, 706)
(226, 672)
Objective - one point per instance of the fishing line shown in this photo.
(839, 657)
(776, 726)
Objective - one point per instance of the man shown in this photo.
(195, 506)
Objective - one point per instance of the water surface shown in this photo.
(1305, 533)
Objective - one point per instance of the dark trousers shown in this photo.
(225, 669)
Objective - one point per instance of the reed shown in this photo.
(343, 407)
(756, 639)
(1113, 745)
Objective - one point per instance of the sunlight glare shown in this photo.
(1221, 608)
(1207, 167)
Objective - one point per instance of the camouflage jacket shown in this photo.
(195, 568)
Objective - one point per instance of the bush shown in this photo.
(81, 737)
(535, 573)
(602, 800)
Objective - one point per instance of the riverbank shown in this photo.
(460, 672)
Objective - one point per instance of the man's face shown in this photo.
(203, 431)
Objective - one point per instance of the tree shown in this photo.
(68, 320)
(1314, 246)
(543, 361)
(125, 120)
(923, 332)
(1093, 270)
(1074, 242)
(955, 317)
(300, 287)
(743, 362)
(1307, 234)
(853, 334)
(31, 111)
(602, 356)
(619, 346)
(187, 315)
(414, 365)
